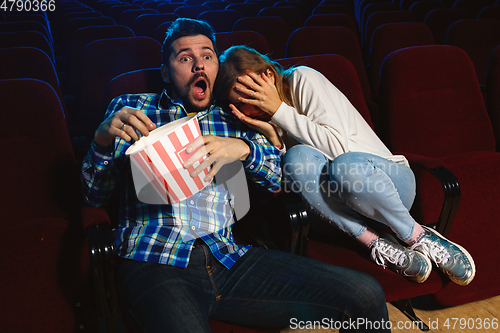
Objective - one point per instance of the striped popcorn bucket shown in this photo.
(156, 161)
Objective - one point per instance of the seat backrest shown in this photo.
(334, 9)
(406, 4)
(391, 37)
(362, 4)
(27, 38)
(65, 18)
(194, 2)
(478, 38)
(472, 6)
(420, 9)
(84, 36)
(438, 20)
(44, 267)
(191, 11)
(128, 17)
(146, 24)
(273, 28)
(81, 22)
(245, 9)
(27, 26)
(39, 160)
(491, 12)
(62, 19)
(140, 81)
(68, 7)
(493, 93)
(253, 39)
(431, 103)
(30, 16)
(103, 60)
(335, 20)
(29, 62)
(161, 31)
(305, 7)
(292, 16)
(221, 20)
(168, 8)
(216, 5)
(373, 8)
(116, 10)
(377, 19)
(330, 40)
(340, 71)
(150, 4)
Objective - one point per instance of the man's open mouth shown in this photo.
(200, 87)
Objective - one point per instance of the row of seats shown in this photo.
(428, 105)
(277, 36)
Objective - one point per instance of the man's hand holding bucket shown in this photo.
(126, 124)
(217, 152)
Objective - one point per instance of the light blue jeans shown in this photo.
(351, 188)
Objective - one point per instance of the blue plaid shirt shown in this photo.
(165, 233)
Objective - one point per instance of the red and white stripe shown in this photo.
(165, 171)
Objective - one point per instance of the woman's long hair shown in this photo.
(239, 60)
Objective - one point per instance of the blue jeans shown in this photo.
(265, 288)
(353, 187)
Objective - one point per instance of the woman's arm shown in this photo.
(321, 116)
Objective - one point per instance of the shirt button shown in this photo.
(193, 228)
(251, 167)
(191, 202)
(105, 162)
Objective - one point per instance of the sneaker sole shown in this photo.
(469, 257)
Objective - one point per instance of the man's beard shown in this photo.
(187, 100)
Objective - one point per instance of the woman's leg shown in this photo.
(306, 172)
(376, 188)
(361, 185)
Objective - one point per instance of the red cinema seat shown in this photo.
(493, 93)
(430, 97)
(45, 265)
(273, 28)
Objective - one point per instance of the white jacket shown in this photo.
(325, 119)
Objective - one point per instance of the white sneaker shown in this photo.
(410, 264)
(452, 259)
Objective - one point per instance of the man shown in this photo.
(180, 265)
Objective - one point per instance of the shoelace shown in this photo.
(382, 251)
(433, 250)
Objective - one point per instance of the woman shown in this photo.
(336, 162)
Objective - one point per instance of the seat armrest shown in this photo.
(449, 182)
(92, 216)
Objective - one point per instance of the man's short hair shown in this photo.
(183, 27)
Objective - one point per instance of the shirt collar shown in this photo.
(166, 102)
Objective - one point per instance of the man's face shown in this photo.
(191, 70)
